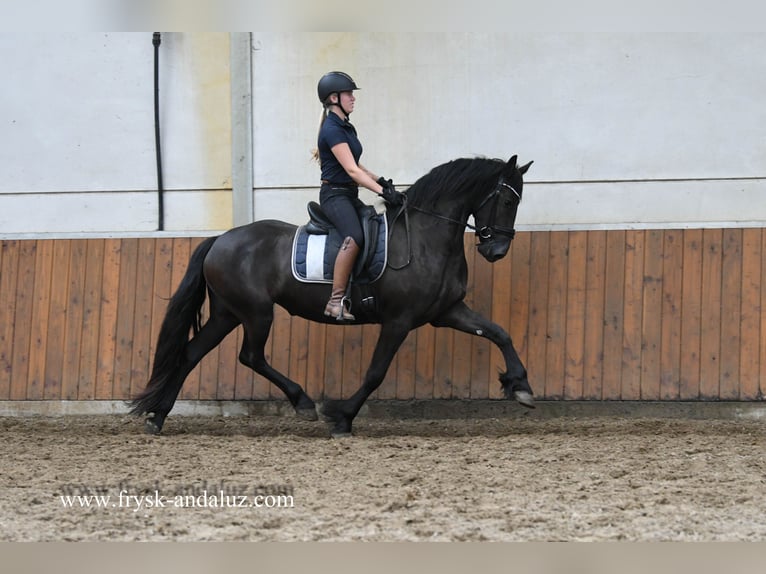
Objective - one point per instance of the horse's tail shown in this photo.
(184, 314)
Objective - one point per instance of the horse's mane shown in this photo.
(450, 180)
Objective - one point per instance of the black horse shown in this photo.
(245, 271)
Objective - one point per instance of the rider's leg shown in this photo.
(344, 264)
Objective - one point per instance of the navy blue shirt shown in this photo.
(334, 131)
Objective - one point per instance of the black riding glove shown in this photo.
(390, 195)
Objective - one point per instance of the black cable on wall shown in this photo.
(156, 41)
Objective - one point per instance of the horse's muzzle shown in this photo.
(494, 249)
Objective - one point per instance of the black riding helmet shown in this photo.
(334, 83)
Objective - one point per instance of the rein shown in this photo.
(485, 233)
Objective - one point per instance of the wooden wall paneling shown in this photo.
(731, 314)
(593, 337)
(424, 366)
(9, 273)
(161, 290)
(352, 360)
(91, 323)
(672, 288)
(333, 363)
(75, 313)
(538, 311)
(108, 316)
(761, 395)
(299, 340)
(710, 343)
(56, 320)
(752, 312)
(126, 308)
(23, 319)
(443, 346)
(41, 296)
(557, 315)
(315, 368)
(574, 347)
(405, 368)
(691, 313)
(651, 321)
(614, 296)
(142, 316)
(632, 315)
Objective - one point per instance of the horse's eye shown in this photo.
(508, 203)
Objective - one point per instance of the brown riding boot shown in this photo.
(344, 264)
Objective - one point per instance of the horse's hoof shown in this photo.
(335, 434)
(525, 399)
(307, 414)
(151, 427)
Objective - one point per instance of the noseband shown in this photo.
(488, 232)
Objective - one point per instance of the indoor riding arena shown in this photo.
(632, 292)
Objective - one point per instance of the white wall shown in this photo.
(626, 130)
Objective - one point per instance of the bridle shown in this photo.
(486, 233)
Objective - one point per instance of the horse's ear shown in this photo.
(523, 169)
(512, 162)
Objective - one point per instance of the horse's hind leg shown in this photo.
(252, 355)
(210, 336)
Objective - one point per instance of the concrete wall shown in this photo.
(626, 130)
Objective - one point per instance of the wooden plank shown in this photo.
(405, 368)
(710, 344)
(228, 351)
(91, 322)
(142, 316)
(22, 323)
(574, 344)
(57, 318)
(315, 366)
(9, 274)
(443, 345)
(672, 291)
(595, 292)
(538, 310)
(480, 347)
(299, 336)
(126, 305)
(424, 366)
(691, 312)
(352, 360)
(613, 315)
(750, 331)
(41, 296)
(633, 311)
(370, 335)
(731, 317)
(761, 394)
(75, 312)
(557, 315)
(108, 329)
(333, 362)
(651, 322)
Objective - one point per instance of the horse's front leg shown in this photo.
(342, 412)
(514, 380)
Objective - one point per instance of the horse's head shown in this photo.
(496, 214)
